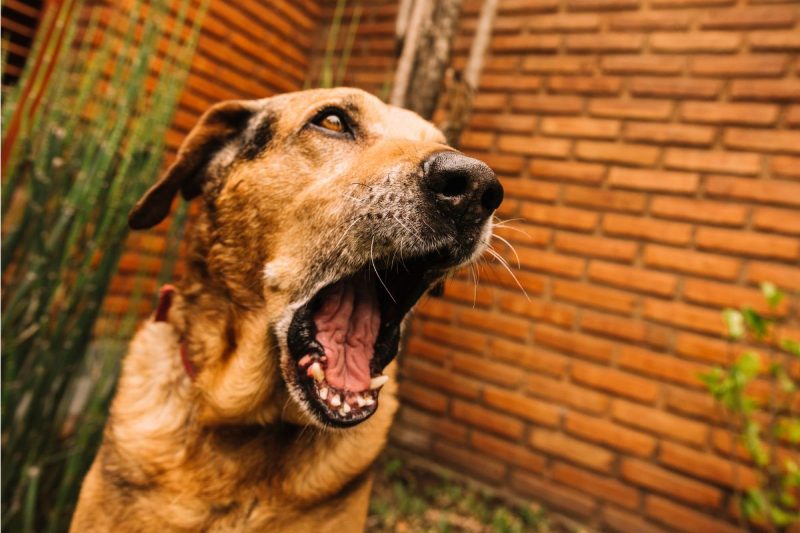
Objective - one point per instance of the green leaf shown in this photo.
(772, 294)
(756, 323)
(789, 429)
(749, 364)
(751, 437)
(734, 323)
(753, 503)
(792, 346)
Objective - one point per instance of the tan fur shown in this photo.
(233, 449)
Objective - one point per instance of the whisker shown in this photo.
(345, 233)
(503, 262)
(501, 239)
(372, 260)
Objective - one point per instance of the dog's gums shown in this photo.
(344, 337)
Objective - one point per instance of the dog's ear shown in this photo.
(216, 129)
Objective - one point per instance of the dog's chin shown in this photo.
(340, 340)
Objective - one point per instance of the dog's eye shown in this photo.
(333, 121)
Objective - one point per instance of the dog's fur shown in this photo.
(287, 209)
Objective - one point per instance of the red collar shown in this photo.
(165, 296)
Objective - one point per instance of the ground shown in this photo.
(408, 496)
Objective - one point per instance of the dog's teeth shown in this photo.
(316, 371)
(368, 400)
(323, 393)
(305, 361)
(336, 401)
(378, 382)
(345, 408)
(360, 400)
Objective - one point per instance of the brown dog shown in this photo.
(251, 403)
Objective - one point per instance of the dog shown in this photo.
(262, 390)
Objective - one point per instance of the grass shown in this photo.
(408, 495)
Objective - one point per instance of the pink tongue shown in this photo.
(347, 327)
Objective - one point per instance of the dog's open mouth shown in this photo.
(343, 338)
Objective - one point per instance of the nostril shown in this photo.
(455, 184)
(492, 197)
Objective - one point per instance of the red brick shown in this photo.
(748, 244)
(540, 146)
(623, 328)
(786, 166)
(695, 42)
(635, 109)
(768, 191)
(623, 522)
(739, 66)
(505, 164)
(492, 323)
(423, 397)
(723, 213)
(588, 295)
(562, 265)
(468, 292)
(595, 246)
(476, 140)
(452, 336)
(571, 342)
(566, 393)
(723, 295)
(491, 421)
(675, 87)
(411, 438)
(653, 180)
(663, 481)
(580, 127)
(715, 266)
(609, 434)
(486, 370)
(659, 133)
(529, 357)
(557, 496)
(631, 154)
(748, 18)
(705, 466)
(601, 487)
(667, 367)
(604, 199)
(525, 43)
(584, 84)
(474, 463)
(440, 378)
(648, 229)
(508, 453)
(792, 118)
(489, 101)
(775, 40)
(633, 278)
(703, 348)
(683, 315)
(649, 21)
(592, 5)
(566, 217)
(564, 22)
(765, 90)
(683, 518)
(546, 104)
(691, 3)
(763, 140)
(559, 445)
(526, 234)
(553, 313)
(531, 189)
(529, 409)
(784, 276)
(706, 161)
(434, 424)
(726, 113)
(428, 350)
(503, 122)
(567, 170)
(637, 64)
(557, 64)
(616, 382)
(693, 403)
(604, 42)
(522, 6)
(661, 423)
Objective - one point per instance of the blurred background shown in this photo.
(629, 365)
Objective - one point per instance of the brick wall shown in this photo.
(651, 150)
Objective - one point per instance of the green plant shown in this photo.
(762, 429)
(83, 136)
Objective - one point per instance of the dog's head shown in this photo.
(333, 212)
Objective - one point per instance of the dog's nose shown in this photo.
(462, 185)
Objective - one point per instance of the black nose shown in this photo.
(462, 186)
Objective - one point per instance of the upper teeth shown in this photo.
(316, 370)
(378, 381)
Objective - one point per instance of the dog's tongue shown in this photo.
(347, 328)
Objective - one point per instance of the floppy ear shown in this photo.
(216, 128)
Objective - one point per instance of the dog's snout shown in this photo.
(462, 185)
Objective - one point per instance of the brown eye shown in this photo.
(332, 122)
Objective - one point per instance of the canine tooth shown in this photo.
(323, 393)
(336, 401)
(345, 408)
(378, 382)
(360, 400)
(316, 371)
